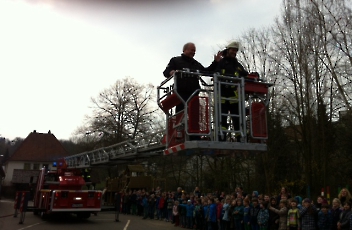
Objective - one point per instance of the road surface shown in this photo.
(104, 220)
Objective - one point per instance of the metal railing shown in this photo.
(130, 150)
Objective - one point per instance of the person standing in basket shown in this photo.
(230, 67)
(187, 86)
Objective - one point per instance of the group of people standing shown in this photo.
(241, 211)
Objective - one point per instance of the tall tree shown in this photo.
(312, 87)
(124, 111)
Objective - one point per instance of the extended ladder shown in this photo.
(201, 118)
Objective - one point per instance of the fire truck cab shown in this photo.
(62, 191)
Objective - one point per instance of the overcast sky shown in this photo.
(56, 55)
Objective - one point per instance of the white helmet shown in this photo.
(235, 45)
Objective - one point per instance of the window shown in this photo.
(46, 166)
(27, 166)
(36, 166)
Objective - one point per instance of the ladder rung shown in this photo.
(230, 131)
(229, 99)
(230, 115)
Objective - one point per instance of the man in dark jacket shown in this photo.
(187, 85)
(230, 66)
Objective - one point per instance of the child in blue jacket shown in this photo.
(145, 205)
(189, 213)
(246, 214)
(238, 214)
(211, 215)
(263, 216)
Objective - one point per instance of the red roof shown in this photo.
(39, 147)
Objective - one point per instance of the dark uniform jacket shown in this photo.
(187, 84)
(230, 67)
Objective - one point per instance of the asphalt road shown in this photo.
(104, 220)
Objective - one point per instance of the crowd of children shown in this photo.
(240, 211)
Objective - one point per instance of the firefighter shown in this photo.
(187, 86)
(117, 206)
(230, 66)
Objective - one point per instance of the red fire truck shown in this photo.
(61, 191)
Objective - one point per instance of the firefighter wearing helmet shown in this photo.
(230, 66)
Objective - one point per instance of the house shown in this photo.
(38, 150)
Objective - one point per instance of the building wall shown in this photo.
(10, 166)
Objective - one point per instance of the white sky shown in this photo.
(56, 55)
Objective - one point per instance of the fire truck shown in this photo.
(61, 191)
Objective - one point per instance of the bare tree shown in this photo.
(124, 111)
(311, 89)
